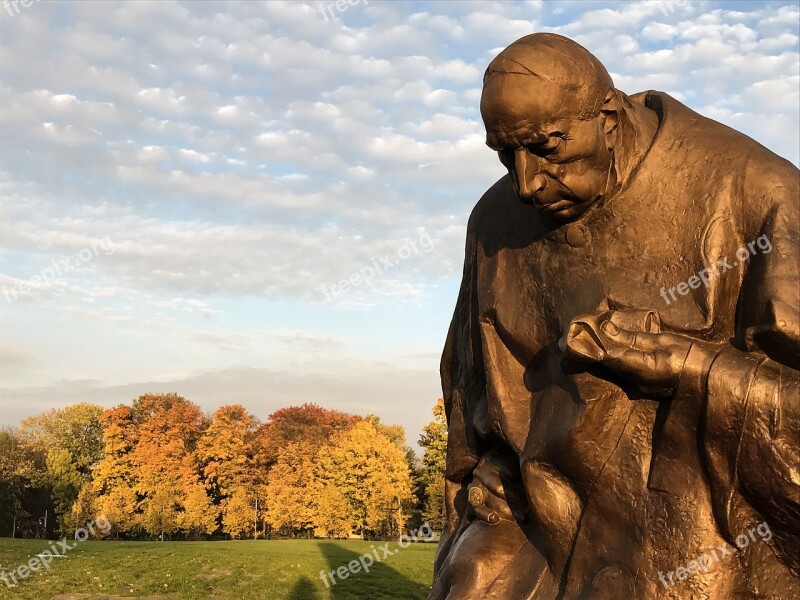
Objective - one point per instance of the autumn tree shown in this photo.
(66, 482)
(332, 513)
(309, 424)
(84, 510)
(226, 450)
(150, 477)
(372, 476)
(434, 441)
(168, 429)
(238, 514)
(395, 434)
(114, 476)
(167, 470)
(289, 493)
(118, 504)
(71, 441)
(75, 428)
(160, 511)
(199, 516)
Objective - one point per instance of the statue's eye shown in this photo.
(550, 145)
(545, 147)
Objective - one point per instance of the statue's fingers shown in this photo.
(648, 366)
(640, 340)
(630, 361)
(626, 351)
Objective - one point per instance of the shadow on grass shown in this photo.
(303, 590)
(380, 582)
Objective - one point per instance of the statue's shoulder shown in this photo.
(716, 142)
(769, 175)
(704, 151)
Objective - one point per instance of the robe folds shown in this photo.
(601, 490)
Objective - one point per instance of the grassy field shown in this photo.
(263, 570)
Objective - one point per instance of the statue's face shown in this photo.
(558, 163)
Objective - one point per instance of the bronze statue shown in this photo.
(621, 374)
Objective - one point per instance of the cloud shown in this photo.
(308, 340)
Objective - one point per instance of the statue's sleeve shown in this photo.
(461, 372)
(752, 415)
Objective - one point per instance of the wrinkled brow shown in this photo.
(499, 138)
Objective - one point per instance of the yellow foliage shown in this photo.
(369, 474)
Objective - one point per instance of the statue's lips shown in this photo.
(554, 206)
(555, 198)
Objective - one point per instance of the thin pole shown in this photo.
(255, 523)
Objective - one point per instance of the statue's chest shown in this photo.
(534, 292)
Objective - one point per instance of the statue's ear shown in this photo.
(610, 111)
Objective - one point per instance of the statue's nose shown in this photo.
(528, 188)
(538, 184)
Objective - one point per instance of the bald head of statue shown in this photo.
(551, 112)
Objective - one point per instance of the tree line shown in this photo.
(160, 467)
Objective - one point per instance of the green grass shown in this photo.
(263, 570)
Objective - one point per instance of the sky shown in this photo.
(184, 186)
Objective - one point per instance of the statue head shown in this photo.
(550, 111)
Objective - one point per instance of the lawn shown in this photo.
(263, 570)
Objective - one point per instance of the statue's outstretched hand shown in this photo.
(631, 343)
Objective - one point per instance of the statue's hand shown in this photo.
(654, 361)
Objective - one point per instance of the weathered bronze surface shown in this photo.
(621, 372)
